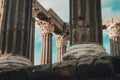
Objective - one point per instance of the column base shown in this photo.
(13, 62)
(83, 51)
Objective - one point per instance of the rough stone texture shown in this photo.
(27, 73)
(94, 68)
(66, 70)
(85, 21)
(16, 26)
(83, 51)
(13, 62)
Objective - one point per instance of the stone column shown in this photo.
(85, 22)
(16, 28)
(114, 34)
(47, 29)
(32, 37)
(1, 11)
(85, 30)
(61, 43)
(1, 17)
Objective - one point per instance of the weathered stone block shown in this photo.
(116, 64)
(103, 67)
(84, 67)
(12, 62)
(66, 70)
(81, 51)
(92, 68)
(96, 68)
(41, 72)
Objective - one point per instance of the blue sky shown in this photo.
(110, 9)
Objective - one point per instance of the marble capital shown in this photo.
(46, 27)
(114, 30)
(61, 40)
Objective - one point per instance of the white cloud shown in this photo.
(109, 13)
(110, 8)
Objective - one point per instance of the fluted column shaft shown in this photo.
(32, 37)
(85, 22)
(47, 29)
(16, 27)
(61, 43)
(114, 34)
(1, 12)
(1, 17)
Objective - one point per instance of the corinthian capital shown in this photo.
(46, 26)
(114, 30)
(61, 40)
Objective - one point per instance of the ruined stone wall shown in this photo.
(102, 68)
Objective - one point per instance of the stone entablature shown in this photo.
(61, 40)
(37, 9)
(41, 13)
(46, 27)
(56, 17)
(114, 30)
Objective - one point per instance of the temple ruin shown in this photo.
(86, 59)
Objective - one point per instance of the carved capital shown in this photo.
(46, 27)
(114, 30)
(61, 40)
(1, 3)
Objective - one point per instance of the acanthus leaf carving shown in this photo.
(114, 30)
(46, 26)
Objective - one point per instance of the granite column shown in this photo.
(32, 37)
(47, 29)
(1, 17)
(85, 30)
(85, 22)
(16, 28)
